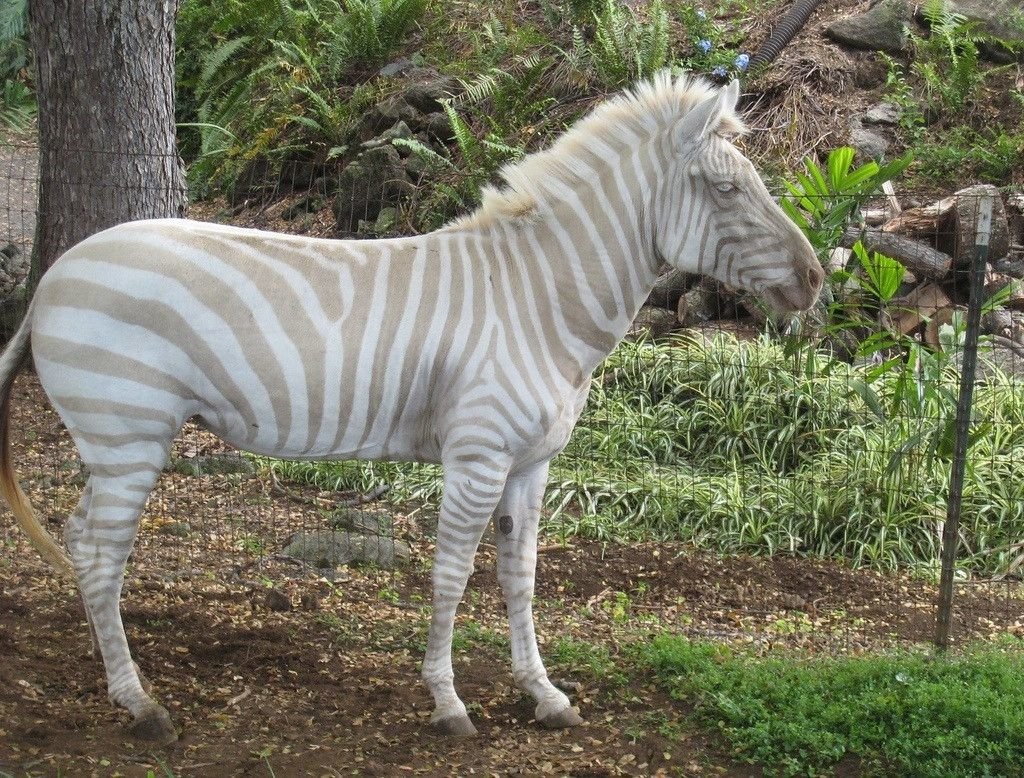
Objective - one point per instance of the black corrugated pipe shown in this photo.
(789, 26)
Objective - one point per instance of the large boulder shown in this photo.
(371, 182)
(1002, 19)
(881, 28)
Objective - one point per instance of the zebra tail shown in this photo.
(10, 361)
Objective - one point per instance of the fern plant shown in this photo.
(17, 100)
(947, 61)
(625, 47)
(370, 30)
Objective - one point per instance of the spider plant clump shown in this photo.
(761, 448)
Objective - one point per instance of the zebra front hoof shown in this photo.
(455, 726)
(154, 727)
(566, 717)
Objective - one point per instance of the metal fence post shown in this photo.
(951, 530)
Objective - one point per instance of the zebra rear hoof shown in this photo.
(455, 726)
(566, 717)
(154, 727)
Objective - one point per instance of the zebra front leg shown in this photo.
(470, 496)
(100, 552)
(515, 529)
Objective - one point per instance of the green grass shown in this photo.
(906, 715)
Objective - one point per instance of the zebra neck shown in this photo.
(599, 269)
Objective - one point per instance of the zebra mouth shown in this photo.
(789, 298)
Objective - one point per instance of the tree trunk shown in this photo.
(105, 85)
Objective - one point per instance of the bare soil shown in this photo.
(330, 686)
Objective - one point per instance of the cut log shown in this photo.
(994, 281)
(925, 222)
(651, 322)
(936, 321)
(669, 288)
(699, 305)
(890, 196)
(903, 315)
(965, 224)
(873, 217)
(922, 260)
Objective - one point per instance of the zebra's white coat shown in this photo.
(471, 346)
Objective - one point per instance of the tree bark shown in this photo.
(105, 86)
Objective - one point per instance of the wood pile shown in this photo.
(934, 242)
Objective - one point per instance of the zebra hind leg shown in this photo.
(72, 533)
(100, 550)
(515, 531)
(469, 500)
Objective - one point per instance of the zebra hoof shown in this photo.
(566, 717)
(455, 726)
(154, 727)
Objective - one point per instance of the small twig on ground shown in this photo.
(238, 698)
(348, 502)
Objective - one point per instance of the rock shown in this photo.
(438, 126)
(277, 601)
(360, 521)
(396, 68)
(213, 464)
(427, 94)
(331, 548)
(304, 206)
(14, 267)
(398, 130)
(868, 142)
(651, 322)
(372, 181)
(1000, 19)
(179, 529)
(883, 113)
(881, 28)
(386, 220)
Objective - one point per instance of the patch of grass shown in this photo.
(991, 156)
(908, 715)
(585, 659)
(472, 633)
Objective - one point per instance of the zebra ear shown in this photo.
(702, 120)
(732, 94)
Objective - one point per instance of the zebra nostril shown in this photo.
(815, 276)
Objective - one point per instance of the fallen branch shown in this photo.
(923, 261)
(348, 502)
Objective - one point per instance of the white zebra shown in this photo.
(471, 346)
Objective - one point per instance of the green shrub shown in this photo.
(907, 715)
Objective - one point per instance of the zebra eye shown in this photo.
(725, 187)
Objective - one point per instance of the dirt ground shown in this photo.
(324, 680)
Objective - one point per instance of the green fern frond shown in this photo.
(424, 152)
(215, 61)
(13, 20)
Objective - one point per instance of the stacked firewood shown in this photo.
(934, 242)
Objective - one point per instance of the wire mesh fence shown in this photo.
(714, 427)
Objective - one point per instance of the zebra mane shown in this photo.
(647, 109)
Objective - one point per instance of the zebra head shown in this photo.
(718, 219)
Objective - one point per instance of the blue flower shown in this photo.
(704, 45)
(720, 71)
(742, 61)
(701, 13)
